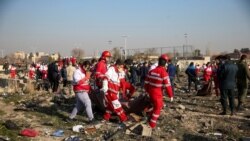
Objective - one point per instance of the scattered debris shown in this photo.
(72, 138)
(182, 107)
(9, 124)
(29, 132)
(3, 138)
(89, 130)
(135, 117)
(146, 130)
(77, 128)
(215, 134)
(58, 133)
(245, 139)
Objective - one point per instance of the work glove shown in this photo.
(171, 99)
(104, 86)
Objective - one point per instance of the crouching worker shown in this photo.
(81, 88)
(125, 85)
(111, 87)
(157, 79)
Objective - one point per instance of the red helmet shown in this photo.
(106, 54)
(164, 56)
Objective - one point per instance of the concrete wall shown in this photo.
(183, 64)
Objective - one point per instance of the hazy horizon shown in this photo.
(61, 25)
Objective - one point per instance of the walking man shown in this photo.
(228, 82)
(243, 76)
(156, 80)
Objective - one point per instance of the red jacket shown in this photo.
(113, 80)
(83, 83)
(156, 80)
(13, 72)
(32, 72)
(197, 70)
(207, 73)
(44, 74)
(101, 69)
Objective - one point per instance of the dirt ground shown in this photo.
(188, 118)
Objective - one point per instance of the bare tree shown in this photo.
(224, 53)
(244, 50)
(151, 51)
(77, 53)
(139, 56)
(116, 53)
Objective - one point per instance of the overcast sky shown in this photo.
(61, 25)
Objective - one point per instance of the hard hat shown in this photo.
(164, 56)
(106, 54)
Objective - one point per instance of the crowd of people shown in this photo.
(123, 78)
(227, 76)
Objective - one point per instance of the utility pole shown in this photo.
(186, 46)
(183, 53)
(125, 46)
(121, 52)
(174, 52)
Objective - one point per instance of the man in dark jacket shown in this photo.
(178, 72)
(243, 76)
(190, 71)
(143, 72)
(133, 72)
(54, 75)
(63, 72)
(171, 72)
(228, 82)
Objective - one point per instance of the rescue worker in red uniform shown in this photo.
(44, 71)
(125, 85)
(215, 76)
(32, 72)
(207, 72)
(111, 87)
(101, 68)
(197, 69)
(73, 60)
(12, 71)
(157, 79)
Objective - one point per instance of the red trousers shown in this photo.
(113, 105)
(12, 75)
(156, 99)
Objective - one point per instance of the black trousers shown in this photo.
(190, 80)
(227, 93)
(54, 85)
(242, 95)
